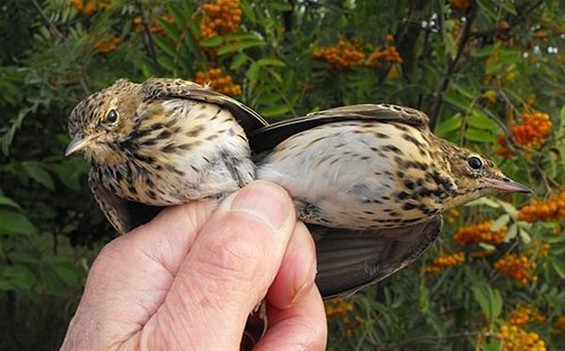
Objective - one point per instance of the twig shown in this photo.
(48, 21)
(60, 35)
(514, 147)
(147, 37)
(489, 33)
(450, 67)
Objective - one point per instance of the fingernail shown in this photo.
(266, 201)
(304, 282)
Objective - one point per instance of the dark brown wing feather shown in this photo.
(124, 215)
(166, 88)
(268, 137)
(348, 260)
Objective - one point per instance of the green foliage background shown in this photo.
(469, 73)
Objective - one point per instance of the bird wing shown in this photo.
(348, 260)
(268, 137)
(124, 215)
(167, 88)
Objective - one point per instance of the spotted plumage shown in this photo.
(371, 182)
(161, 143)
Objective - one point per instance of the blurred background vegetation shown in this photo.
(488, 73)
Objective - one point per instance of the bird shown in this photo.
(371, 182)
(161, 143)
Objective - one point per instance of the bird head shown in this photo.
(475, 176)
(99, 122)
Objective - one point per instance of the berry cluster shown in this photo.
(154, 27)
(341, 308)
(459, 5)
(532, 132)
(524, 315)
(442, 262)
(452, 215)
(347, 53)
(217, 80)
(479, 233)
(517, 339)
(342, 56)
(107, 45)
(559, 325)
(220, 17)
(388, 54)
(517, 267)
(88, 7)
(538, 248)
(550, 209)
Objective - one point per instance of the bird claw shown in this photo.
(308, 213)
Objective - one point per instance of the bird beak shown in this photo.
(507, 185)
(78, 143)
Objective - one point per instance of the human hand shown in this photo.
(190, 278)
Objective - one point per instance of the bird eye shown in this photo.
(474, 162)
(112, 116)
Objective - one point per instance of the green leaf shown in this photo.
(490, 301)
(481, 297)
(481, 136)
(270, 62)
(238, 61)
(496, 303)
(487, 247)
(448, 39)
(483, 201)
(275, 110)
(276, 75)
(68, 273)
(39, 174)
(500, 222)
(233, 47)
(508, 208)
(248, 12)
(168, 63)
(510, 57)
(483, 51)
(269, 99)
(69, 172)
(165, 45)
(241, 37)
(511, 233)
(449, 125)
(212, 42)
(479, 120)
(457, 100)
(280, 5)
(468, 91)
(559, 267)
(20, 276)
(15, 223)
(178, 14)
(525, 236)
(171, 30)
(6, 201)
(560, 140)
(253, 74)
(508, 6)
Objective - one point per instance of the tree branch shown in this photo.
(450, 67)
(147, 37)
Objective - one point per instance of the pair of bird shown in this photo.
(370, 181)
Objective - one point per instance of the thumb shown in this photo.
(229, 268)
